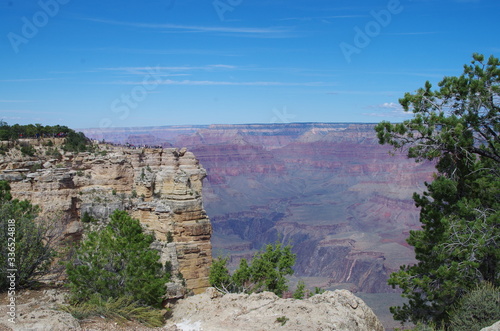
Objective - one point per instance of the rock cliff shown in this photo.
(328, 188)
(160, 187)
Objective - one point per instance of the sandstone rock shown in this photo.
(46, 319)
(494, 327)
(338, 310)
(160, 187)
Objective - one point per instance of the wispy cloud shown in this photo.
(24, 80)
(408, 73)
(15, 101)
(269, 32)
(419, 33)
(160, 71)
(353, 92)
(178, 68)
(194, 51)
(321, 18)
(387, 109)
(224, 83)
(26, 111)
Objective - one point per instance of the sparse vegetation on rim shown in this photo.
(266, 272)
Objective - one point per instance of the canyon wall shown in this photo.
(160, 187)
(329, 189)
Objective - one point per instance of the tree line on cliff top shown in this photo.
(73, 141)
(456, 126)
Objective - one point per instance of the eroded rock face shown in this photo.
(330, 189)
(160, 187)
(337, 310)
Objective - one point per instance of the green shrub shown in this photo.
(53, 152)
(266, 272)
(318, 290)
(424, 327)
(170, 237)
(118, 262)
(76, 142)
(219, 276)
(4, 149)
(282, 320)
(36, 167)
(300, 291)
(86, 218)
(168, 267)
(477, 309)
(28, 150)
(27, 246)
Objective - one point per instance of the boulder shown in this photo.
(337, 310)
(494, 327)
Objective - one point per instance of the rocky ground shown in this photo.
(339, 310)
(209, 311)
(38, 310)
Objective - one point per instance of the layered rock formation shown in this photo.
(160, 187)
(330, 189)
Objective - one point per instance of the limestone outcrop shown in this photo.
(337, 310)
(160, 187)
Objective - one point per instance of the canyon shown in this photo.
(342, 200)
(329, 189)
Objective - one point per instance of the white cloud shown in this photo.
(270, 32)
(145, 70)
(15, 101)
(390, 105)
(388, 109)
(23, 80)
(225, 83)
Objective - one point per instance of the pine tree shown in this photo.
(266, 272)
(118, 262)
(457, 248)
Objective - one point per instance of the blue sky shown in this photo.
(175, 62)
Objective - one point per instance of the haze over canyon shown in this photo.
(329, 189)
